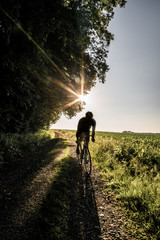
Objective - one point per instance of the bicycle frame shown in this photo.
(85, 153)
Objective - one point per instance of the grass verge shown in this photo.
(130, 165)
(15, 148)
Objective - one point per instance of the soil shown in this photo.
(94, 211)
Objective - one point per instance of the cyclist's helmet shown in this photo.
(89, 114)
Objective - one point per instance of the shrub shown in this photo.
(16, 147)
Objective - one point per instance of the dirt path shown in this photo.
(92, 213)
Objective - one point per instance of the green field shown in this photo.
(130, 165)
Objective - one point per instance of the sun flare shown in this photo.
(82, 98)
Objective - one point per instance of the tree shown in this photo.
(45, 46)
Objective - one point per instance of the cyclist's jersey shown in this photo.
(85, 124)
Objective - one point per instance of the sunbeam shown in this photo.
(35, 43)
(82, 83)
(62, 85)
(81, 98)
(71, 103)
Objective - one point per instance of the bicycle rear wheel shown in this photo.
(87, 161)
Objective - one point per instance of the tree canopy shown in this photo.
(46, 46)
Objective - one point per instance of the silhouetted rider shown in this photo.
(84, 126)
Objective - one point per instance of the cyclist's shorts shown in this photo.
(82, 135)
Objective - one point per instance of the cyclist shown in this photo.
(84, 126)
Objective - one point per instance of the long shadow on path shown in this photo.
(41, 203)
(69, 211)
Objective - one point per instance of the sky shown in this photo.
(130, 98)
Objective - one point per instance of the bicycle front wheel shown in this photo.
(87, 161)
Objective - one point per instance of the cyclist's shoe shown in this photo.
(93, 139)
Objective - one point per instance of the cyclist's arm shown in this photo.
(93, 130)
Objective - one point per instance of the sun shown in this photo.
(82, 98)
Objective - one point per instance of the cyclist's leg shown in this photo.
(81, 138)
(78, 146)
(78, 142)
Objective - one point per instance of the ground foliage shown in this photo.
(16, 148)
(73, 34)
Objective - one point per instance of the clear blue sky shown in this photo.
(130, 98)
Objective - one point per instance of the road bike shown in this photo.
(84, 156)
